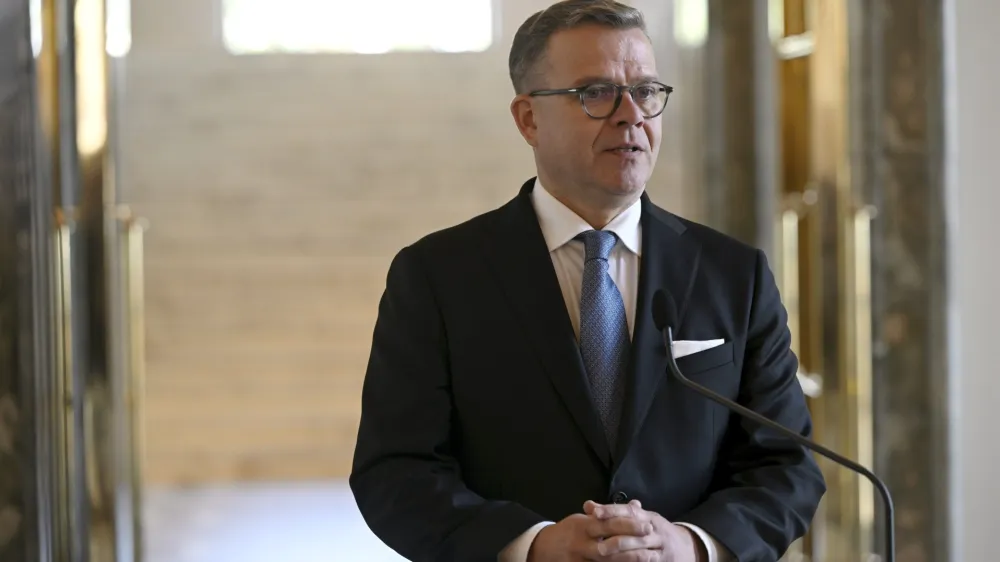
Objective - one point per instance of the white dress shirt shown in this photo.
(560, 226)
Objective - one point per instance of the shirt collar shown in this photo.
(560, 224)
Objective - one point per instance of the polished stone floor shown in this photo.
(310, 522)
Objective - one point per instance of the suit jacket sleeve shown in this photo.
(405, 478)
(767, 488)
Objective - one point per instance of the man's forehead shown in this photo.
(599, 49)
(592, 65)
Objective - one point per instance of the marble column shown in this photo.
(899, 139)
(37, 436)
(23, 283)
(728, 115)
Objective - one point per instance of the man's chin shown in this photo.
(625, 186)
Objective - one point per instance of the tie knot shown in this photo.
(598, 243)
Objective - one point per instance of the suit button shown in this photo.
(619, 497)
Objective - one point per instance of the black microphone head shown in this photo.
(664, 310)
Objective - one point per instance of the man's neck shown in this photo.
(596, 213)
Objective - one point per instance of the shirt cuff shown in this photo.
(716, 552)
(517, 550)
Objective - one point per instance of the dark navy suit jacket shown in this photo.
(476, 420)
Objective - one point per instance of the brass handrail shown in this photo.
(133, 254)
(129, 246)
(789, 272)
(788, 277)
(64, 438)
(794, 209)
(860, 386)
(790, 47)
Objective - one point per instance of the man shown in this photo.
(516, 406)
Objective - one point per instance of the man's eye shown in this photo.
(646, 92)
(599, 92)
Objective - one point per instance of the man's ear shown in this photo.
(523, 111)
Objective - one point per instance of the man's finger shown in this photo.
(631, 509)
(602, 528)
(598, 550)
(635, 556)
(620, 544)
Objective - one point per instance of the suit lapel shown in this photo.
(669, 261)
(522, 263)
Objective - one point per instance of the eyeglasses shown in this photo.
(601, 101)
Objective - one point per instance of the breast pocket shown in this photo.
(705, 360)
(713, 368)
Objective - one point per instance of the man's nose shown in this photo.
(629, 113)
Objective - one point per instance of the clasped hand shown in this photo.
(614, 533)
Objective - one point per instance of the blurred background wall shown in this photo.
(975, 119)
(278, 187)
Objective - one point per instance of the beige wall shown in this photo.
(974, 124)
(278, 189)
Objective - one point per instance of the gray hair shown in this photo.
(531, 39)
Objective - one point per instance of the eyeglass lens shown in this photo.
(599, 99)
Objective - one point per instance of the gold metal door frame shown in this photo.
(823, 249)
(113, 397)
(63, 523)
(91, 413)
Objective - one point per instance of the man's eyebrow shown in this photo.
(597, 79)
(594, 79)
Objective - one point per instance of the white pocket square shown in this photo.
(689, 347)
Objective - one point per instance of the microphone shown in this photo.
(665, 314)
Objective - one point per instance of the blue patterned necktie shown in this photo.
(604, 338)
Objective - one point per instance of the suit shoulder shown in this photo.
(717, 239)
(453, 240)
(717, 244)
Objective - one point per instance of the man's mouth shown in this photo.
(626, 148)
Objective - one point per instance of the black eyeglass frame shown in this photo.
(619, 93)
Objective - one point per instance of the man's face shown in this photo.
(575, 151)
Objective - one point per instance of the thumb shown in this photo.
(589, 507)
